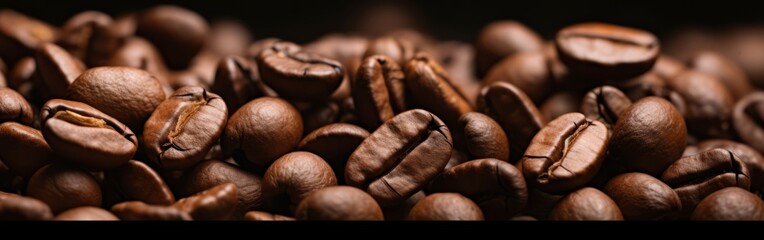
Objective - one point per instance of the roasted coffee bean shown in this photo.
(21, 34)
(604, 104)
(86, 136)
(378, 91)
(732, 203)
(642, 197)
(695, 177)
(516, 114)
(140, 211)
(399, 50)
(184, 128)
(236, 82)
(228, 37)
(64, 187)
(86, 214)
(560, 103)
(19, 208)
(586, 204)
(23, 149)
(668, 67)
(14, 108)
(334, 143)
(298, 75)
(709, 103)
(294, 176)
(748, 120)
(138, 53)
(58, 69)
(216, 203)
(264, 216)
(320, 115)
(501, 39)
(484, 137)
(136, 181)
(566, 154)
(178, 33)
(433, 90)
(728, 72)
(401, 211)
(77, 33)
(753, 159)
(649, 136)
(208, 174)
(651, 84)
(528, 71)
(261, 131)
(446, 206)
(745, 46)
(346, 49)
(339, 203)
(129, 95)
(604, 51)
(496, 186)
(400, 157)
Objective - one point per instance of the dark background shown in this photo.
(302, 21)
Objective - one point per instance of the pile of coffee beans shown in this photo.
(162, 115)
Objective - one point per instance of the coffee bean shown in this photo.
(228, 37)
(298, 75)
(347, 49)
(58, 69)
(378, 91)
(484, 137)
(642, 197)
(77, 33)
(320, 115)
(136, 181)
(400, 157)
(339, 203)
(264, 216)
(137, 52)
(446, 206)
(140, 211)
(63, 187)
(748, 120)
(752, 159)
(399, 50)
(586, 204)
(668, 67)
(730, 203)
(528, 71)
(184, 128)
(86, 136)
(728, 72)
(237, 83)
(13, 107)
(709, 103)
(211, 173)
(216, 203)
(500, 39)
(21, 34)
(19, 208)
(496, 186)
(605, 51)
(604, 104)
(86, 214)
(649, 136)
(178, 33)
(292, 177)
(334, 143)
(560, 103)
(23, 149)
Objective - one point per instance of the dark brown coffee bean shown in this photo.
(642, 197)
(339, 203)
(20, 35)
(496, 186)
(264, 216)
(604, 104)
(178, 33)
(294, 176)
(228, 37)
(138, 53)
(106, 40)
(57, 68)
(262, 131)
(400, 157)
(86, 136)
(184, 128)
(604, 51)
(566, 154)
(753, 159)
(526, 70)
(208, 174)
(695, 177)
(24, 149)
(347, 49)
(77, 33)
(378, 91)
(501, 39)
(730, 203)
(649, 136)
(651, 84)
(399, 50)
(136, 181)
(586, 204)
(433, 90)
(334, 143)
(216, 203)
(516, 114)
(728, 72)
(709, 103)
(298, 75)
(560, 103)
(130, 95)
(484, 137)
(401, 211)
(13, 107)
(18, 208)
(86, 214)
(237, 83)
(64, 187)
(748, 120)
(140, 211)
(446, 207)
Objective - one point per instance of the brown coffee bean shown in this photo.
(264, 216)
(346, 49)
(64, 187)
(298, 75)
(496, 186)
(86, 136)
(753, 159)
(748, 120)
(484, 137)
(605, 104)
(728, 72)
(137, 52)
(140, 211)
(668, 67)
(23, 149)
(528, 71)
(642, 197)
(21, 34)
(216, 203)
(18, 208)
(334, 143)
(293, 177)
(399, 50)
(86, 214)
(649, 136)
(444, 207)
(709, 103)
(178, 33)
(730, 203)
(339, 203)
(136, 181)
(211, 173)
(77, 33)
(378, 91)
(560, 103)
(586, 204)
(320, 115)
(14, 108)
(57, 68)
(237, 82)
(228, 37)
(605, 51)
(184, 128)
(500, 39)
(400, 157)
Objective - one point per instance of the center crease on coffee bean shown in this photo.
(604, 110)
(85, 121)
(732, 167)
(565, 149)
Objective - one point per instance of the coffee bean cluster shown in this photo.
(161, 115)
